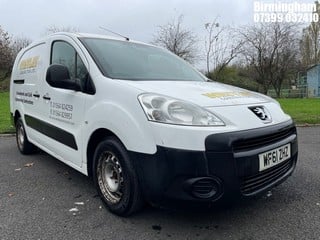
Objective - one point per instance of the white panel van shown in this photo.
(145, 125)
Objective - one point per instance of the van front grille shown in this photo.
(256, 142)
(253, 183)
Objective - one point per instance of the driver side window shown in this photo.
(63, 53)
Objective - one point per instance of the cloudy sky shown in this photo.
(136, 18)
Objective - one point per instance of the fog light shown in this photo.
(204, 187)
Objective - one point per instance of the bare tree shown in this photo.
(221, 48)
(310, 42)
(271, 51)
(53, 29)
(211, 40)
(19, 43)
(177, 39)
(6, 57)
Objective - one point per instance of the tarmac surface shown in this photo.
(42, 198)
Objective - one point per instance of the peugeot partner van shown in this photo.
(144, 124)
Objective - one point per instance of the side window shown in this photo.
(63, 53)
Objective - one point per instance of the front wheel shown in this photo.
(115, 178)
(24, 146)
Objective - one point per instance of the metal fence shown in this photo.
(291, 93)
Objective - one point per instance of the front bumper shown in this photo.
(229, 166)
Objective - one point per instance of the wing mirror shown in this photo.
(58, 76)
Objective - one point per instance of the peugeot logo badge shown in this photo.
(262, 113)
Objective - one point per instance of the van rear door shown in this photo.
(26, 77)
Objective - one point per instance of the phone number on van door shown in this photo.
(61, 110)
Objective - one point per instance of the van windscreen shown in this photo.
(133, 61)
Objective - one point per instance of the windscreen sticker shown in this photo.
(24, 97)
(29, 65)
(228, 95)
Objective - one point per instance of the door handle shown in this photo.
(36, 95)
(46, 98)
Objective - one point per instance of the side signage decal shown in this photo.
(24, 97)
(29, 65)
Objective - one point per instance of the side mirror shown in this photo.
(58, 76)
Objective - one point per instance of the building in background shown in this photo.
(313, 80)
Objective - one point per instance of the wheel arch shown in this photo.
(16, 116)
(96, 137)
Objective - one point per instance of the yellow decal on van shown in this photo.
(227, 94)
(28, 63)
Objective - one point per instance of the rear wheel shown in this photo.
(24, 146)
(115, 178)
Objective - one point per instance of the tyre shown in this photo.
(24, 146)
(115, 178)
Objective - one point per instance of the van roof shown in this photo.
(77, 35)
(90, 35)
(101, 36)
(84, 35)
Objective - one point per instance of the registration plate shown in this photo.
(274, 157)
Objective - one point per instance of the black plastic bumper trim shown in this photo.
(164, 175)
(225, 141)
(52, 131)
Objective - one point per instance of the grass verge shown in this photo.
(5, 122)
(303, 111)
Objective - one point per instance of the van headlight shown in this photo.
(159, 108)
